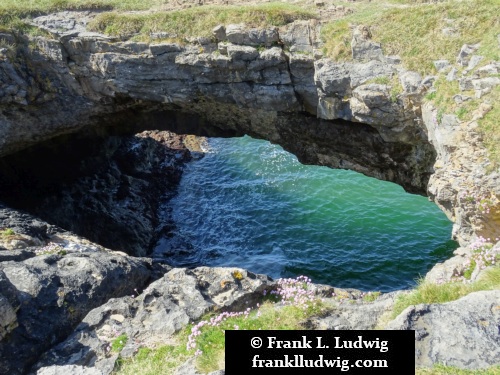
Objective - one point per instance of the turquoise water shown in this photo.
(250, 204)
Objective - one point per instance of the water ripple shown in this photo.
(250, 204)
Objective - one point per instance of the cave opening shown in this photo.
(118, 186)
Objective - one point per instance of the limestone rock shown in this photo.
(122, 177)
(485, 83)
(9, 304)
(363, 48)
(189, 368)
(490, 69)
(54, 293)
(163, 48)
(372, 104)
(465, 84)
(465, 54)
(452, 75)
(474, 61)
(166, 306)
(244, 53)
(68, 370)
(462, 333)
(299, 36)
(219, 32)
(347, 316)
(410, 81)
(443, 272)
(442, 65)
(240, 34)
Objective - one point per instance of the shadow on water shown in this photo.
(250, 204)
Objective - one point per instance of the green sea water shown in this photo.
(248, 203)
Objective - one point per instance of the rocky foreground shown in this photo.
(63, 304)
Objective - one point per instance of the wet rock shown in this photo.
(116, 182)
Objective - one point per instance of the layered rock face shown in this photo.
(265, 83)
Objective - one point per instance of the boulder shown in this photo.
(52, 293)
(219, 32)
(299, 36)
(410, 81)
(442, 65)
(462, 333)
(465, 54)
(240, 34)
(167, 305)
(363, 48)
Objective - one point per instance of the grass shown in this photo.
(439, 293)
(416, 34)
(198, 21)
(12, 11)
(490, 127)
(211, 341)
(371, 296)
(449, 370)
(7, 232)
(26, 7)
(147, 361)
(119, 343)
(206, 339)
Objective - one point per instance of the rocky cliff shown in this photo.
(367, 114)
(364, 115)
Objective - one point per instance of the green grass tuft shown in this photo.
(7, 232)
(490, 128)
(197, 21)
(162, 360)
(439, 293)
(449, 370)
(415, 32)
(119, 343)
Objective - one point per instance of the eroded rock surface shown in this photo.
(243, 81)
(167, 305)
(107, 189)
(46, 296)
(462, 333)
